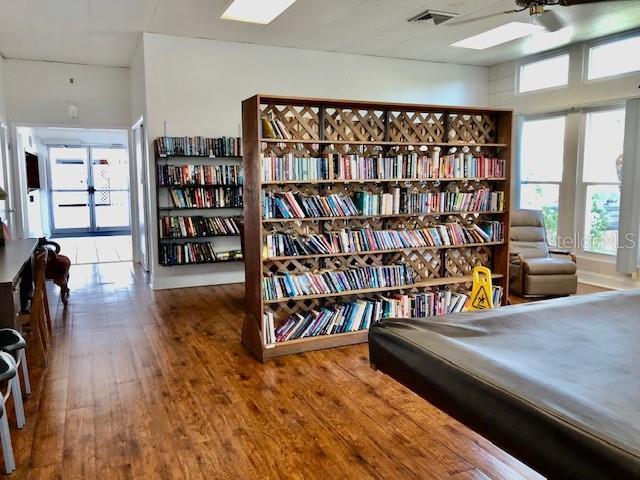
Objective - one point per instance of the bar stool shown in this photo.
(9, 373)
(12, 342)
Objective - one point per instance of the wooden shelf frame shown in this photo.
(163, 211)
(322, 124)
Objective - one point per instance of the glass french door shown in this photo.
(89, 190)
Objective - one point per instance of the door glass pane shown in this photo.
(68, 168)
(110, 168)
(70, 210)
(543, 197)
(112, 208)
(601, 222)
(542, 149)
(603, 143)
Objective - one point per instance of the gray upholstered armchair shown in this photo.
(535, 269)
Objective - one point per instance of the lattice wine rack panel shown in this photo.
(460, 261)
(476, 128)
(298, 149)
(353, 124)
(416, 127)
(301, 122)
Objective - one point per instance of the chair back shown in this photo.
(528, 236)
(39, 283)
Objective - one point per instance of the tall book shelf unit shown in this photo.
(199, 191)
(319, 128)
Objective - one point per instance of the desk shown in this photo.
(16, 278)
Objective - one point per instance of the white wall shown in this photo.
(39, 92)
(502, 87)
(196, 86)
(3, 105)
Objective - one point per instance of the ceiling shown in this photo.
(105, 32)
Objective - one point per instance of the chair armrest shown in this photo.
(562, 251)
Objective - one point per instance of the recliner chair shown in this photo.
(535, 269)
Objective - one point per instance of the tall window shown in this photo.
(601, 177)
(547, 73)
(541, 168)
(614, 58)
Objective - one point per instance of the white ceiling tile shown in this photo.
(106, 31)
(121, 15)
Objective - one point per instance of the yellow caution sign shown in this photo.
(481, 293)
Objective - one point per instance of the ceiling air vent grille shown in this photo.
(437, 17)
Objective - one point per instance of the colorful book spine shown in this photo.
(336, 281)
(198, 146)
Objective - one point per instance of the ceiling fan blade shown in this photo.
(462, 21)
(550, 20)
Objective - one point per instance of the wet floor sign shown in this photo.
(481, 293)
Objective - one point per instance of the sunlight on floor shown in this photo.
(82, 250)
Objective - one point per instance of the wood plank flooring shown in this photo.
(157, 386)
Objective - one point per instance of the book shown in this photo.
(413, 165)
(371, 240)
(362, 313)
(194, 252)
(199, 175)
(173, 227)
(336, 281)
(198, 146)
(206, 197)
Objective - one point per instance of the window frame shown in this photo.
(518, 165)
(582, 185)
(586, 55)
(540, 58)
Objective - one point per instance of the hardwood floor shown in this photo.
(157, 385)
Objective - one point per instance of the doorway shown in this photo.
(74, 188)
(89, 190)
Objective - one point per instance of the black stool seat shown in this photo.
(11, 340)
(7, 371)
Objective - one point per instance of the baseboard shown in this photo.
(163, 282)
(614, 282)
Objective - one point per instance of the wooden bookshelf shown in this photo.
(165, 208)
(316, 127)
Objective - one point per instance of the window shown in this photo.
(541, 168)
(614, 58)
(547, 73)
(601, 177)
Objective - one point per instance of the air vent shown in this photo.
(437, 17)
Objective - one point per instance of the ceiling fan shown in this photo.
(545, 17)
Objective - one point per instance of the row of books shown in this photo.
(198, 146)
(360, 167)
(336, 281)
(194, 252)
(402, 200)
(197, 226)
(290, 205)
(367, 240)
(361, 314)
(397, 201)
(199, 175)
(207, 197)
(274, 128)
